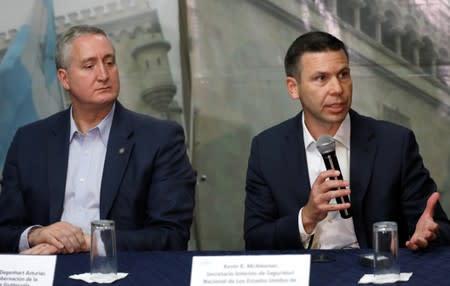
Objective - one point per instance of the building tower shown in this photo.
(150, 55)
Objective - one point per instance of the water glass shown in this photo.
(385, 244)
(103, 247)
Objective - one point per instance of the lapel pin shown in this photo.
(121, 150)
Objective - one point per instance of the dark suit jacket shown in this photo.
(387, 179)
(147, 185)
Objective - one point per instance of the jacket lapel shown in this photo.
(58, 154)
(295, 159)
(363, 149)
(120, 145)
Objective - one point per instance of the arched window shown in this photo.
(368, 24)
(443, 67)
(388, 35)
(408, 44)
(426, 55)
(345, 11)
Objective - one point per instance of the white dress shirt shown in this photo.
(332, 232)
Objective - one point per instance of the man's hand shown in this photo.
(426, 227)
(63, 236)
(322, 191)
(49, 249)
(87, 240)
(42, 249)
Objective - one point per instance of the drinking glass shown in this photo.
(103, 247)
(385, 244)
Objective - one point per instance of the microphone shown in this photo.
(327, 146)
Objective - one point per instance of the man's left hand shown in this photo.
(42, 249)
(49, 249)
(426, 227)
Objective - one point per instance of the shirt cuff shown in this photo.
(304, 236)
(23, 242)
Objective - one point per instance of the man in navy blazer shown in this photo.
(290, 197)
(146, 183)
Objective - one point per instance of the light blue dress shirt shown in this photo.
(84, 175)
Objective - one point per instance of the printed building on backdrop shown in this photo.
(147, 84)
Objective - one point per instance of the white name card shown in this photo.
(27, 270)
(251, 270)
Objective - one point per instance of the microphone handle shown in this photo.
(331, 163)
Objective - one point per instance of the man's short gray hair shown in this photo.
(64, 43)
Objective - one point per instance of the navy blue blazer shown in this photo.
(147, 185)
(387, 177)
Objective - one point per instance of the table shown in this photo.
(173, 268)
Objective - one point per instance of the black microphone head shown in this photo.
(326, 144)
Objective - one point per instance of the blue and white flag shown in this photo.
(28, 85)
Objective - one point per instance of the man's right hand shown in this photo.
(65, 237)
(322, 192)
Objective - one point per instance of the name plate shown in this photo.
(249, 270)
(27, 270)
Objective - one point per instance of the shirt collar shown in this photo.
(342, 135)
(104, 127)
(307, 137)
